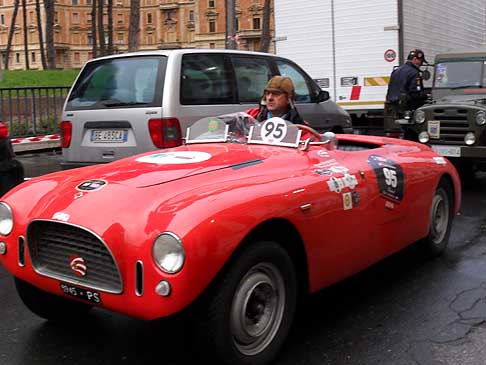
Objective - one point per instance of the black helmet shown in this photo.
(417, 53)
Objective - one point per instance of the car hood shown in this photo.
(461, 99)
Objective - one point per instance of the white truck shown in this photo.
(350, 47)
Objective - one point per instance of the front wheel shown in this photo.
(441, 216)
(49, 306)
(250, 312)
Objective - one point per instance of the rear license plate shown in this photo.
(89, 295)
(448, 151)
(433, 128)
(109, 135)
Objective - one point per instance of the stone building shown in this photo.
(164, 24)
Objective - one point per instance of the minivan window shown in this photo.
(205, 79)
(119, 83)
(302, 94)
(252, 75)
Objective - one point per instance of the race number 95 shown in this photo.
(273, 130)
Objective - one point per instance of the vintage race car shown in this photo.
(231, 228)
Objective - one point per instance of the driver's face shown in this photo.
(277, 102)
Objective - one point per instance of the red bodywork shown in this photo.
(215, 204)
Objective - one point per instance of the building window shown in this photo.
(212, 26)
(256, 23)
(150, 39)
(237, 24)
(2, 19)
(90, 39)
(17, 57)
(149, 18)
(88, 18)
(212, 45)
(77, 57)
(120, 39)
(170, 15)
(119, 18)
(191, 16)
(75, 18)
(211, 3)
(56, 19)
(32, 57)
(88, 2)
(74, 2)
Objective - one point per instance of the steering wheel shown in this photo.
(311, 130)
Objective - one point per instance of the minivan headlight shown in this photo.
(481, 117)
(6, 219)
(168, 252)
(419, 116)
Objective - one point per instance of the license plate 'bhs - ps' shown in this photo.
(88, 295)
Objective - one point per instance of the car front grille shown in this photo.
(454, 125)
(55, 247)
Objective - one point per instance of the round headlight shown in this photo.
(168, 252)
(419, 116)
(423, 137)
(470, 139)
(481, 117)
(6, 219)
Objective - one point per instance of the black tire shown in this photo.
(441, 216)
(49, 306)
(249, 314)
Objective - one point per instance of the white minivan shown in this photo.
(131, 103)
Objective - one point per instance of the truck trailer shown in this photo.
(350, 47)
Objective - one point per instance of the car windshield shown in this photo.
(459, 74)
(119, 83)
(242, 128)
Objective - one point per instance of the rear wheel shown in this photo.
(250, 313)
(441, 216)
(49, 306)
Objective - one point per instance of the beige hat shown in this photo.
(283, 84)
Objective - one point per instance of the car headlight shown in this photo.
(423, 137)
(168, 252)
(470, 139)
(481, 117)
(419, 116)
(6, 219)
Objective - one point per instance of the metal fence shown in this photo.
(32, 111)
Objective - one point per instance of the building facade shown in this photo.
(164, 24)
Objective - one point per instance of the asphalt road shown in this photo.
(404, 310)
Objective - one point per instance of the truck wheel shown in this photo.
(441, 216)
(49, 306)
(250, 311)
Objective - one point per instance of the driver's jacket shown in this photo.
(260, 114)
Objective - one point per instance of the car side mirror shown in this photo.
(323, 96)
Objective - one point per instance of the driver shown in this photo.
(278, 101)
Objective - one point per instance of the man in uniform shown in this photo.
(405, 92)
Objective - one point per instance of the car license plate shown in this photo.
(109, 135)
(88, 295)
(433, 128)
(448, 151)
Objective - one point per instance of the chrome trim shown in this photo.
(76, 282)
(139, 278)
(21, 251)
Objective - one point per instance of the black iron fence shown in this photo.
(32, 111)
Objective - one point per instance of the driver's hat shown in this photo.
(282, 84)
(417, 53)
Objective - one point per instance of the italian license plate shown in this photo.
(109, 135)
(88, 295)
(448, 151)
(433, 128)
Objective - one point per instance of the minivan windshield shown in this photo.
(119, 83)
(459, 74)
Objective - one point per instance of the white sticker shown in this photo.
(347, 201)
(64, 217)
(339, 183)
(440, 160)
(339, 169)
(350, 181)
(175, 158)
(322, 153)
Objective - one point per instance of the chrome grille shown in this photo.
(52, 246)
(454, 125)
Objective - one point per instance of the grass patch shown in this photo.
(32, 78)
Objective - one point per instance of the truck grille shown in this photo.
(54, 245)
(454, 125)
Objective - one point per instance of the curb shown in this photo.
(36, 143)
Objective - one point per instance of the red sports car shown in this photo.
(233, 226)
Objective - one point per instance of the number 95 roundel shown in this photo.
(390, 177)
